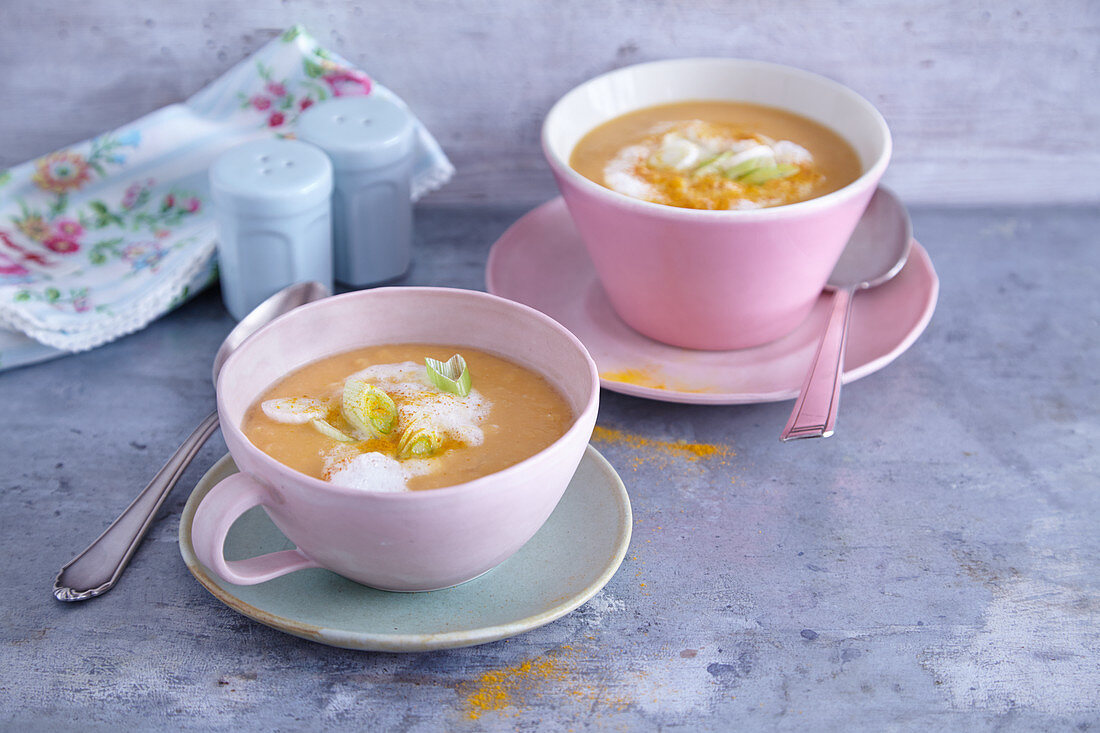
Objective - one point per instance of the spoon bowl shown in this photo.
(96, 570)
(877, 250)
(879, 246)
(281, 302)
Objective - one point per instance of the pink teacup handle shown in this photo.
(232, 497)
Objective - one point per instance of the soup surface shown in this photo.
(716, 155)
(328, 420)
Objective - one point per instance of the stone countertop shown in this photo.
(935, 564)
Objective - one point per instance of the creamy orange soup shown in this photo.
(416, 436)
(716, 155)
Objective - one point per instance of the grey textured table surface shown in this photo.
(935, 565)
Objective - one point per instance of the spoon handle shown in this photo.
(96, 570)
(814, 414)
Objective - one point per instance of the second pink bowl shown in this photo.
(713, 280)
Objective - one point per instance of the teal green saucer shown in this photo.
(567, 561)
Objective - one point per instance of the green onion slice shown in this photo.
(745, 167)
(369, 410)
(763, 175)
(294, 410)
(450, 376)
(326, 429)
(418, 442)
(713, 165)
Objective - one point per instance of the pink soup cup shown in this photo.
(414, 541)
(713, 279)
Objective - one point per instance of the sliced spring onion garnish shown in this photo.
(418, 442)
(713, 165)
(763, 175)
(294, 410)
(450, 376)
(326, 429)
(745, 167)
(369, 410)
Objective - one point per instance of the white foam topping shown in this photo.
(367, 472)
(619, 173)
(792, 153)
(392, 376)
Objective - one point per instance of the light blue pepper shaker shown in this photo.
(372, 144)
(273, 211)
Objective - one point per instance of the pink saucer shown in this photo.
(541, 262)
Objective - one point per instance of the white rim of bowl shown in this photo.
(870, 175)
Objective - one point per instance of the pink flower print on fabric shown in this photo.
(61, 245)
(347, 82)
(137, 193)
(280, 99)
(27, 255)
(11, 268)
(130, 197)
(68, 228)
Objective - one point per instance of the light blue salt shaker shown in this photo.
(372, 144)
(273, 210)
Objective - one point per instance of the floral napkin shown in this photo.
(99, 239)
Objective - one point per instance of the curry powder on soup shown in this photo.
(716, 155)
(377, 419)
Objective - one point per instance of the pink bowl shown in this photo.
(713, 280)
(413, 541)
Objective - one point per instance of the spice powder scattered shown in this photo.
(690, 451)
(498, 689)
(554, 679)
(636, 377)
(650, 378)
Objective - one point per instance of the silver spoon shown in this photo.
(876, 252)
(96, 570)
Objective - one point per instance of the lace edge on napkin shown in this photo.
(135, 317)
(432, 180)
